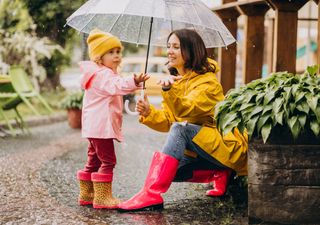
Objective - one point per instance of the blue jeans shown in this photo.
(179, 139)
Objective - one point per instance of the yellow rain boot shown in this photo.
(102, 185)
(86, 188)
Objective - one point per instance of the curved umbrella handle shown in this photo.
(126, 105)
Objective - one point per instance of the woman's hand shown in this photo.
(140, 78)
(143, 106)
(168, 81)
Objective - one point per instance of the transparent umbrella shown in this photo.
(149, 22)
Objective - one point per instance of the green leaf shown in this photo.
(292, 121)
(245, 113)
(245, 106)
(292, 107)
(259, 98)
(294, 90)
(241, 127)
(312, 102)
(249, 95)
(237, 101)
(315, 127)
(277, 104)
(279, 117)
(268, 97)
(288, 91)
(219, 117)
(299, 96)
(267, 109)
(317, 112)
(303, 107)
(262, 120)
(265, 131)
(227, 120)
(256, 110)
(231, 126)
(294, 126)
(251, 124)
(302, 119)
(313, 70)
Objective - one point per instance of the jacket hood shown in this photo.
(89, 69)
(215, 64)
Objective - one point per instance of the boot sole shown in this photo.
(105, 207)
(84, 203)
(147, 208)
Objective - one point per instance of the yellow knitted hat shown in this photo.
(100, 42)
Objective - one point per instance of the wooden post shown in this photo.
(286, 26)
(254, 40)
(270, 42)
(228, 56)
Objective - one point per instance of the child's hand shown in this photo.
(143, 106)
(140, 78)
(168, 81)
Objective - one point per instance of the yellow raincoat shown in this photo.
(193, 99)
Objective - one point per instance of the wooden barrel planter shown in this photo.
(284, 183)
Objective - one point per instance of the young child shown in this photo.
(102, 116)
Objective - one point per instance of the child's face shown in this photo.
(112, 58)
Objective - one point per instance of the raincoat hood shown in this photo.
(214, 64)
(89, 70)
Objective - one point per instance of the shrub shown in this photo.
(72, 101)
(282, 100)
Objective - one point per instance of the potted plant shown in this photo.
(73, 104)
(281, 114)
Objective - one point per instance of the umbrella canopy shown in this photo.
(130, 20)
(149, 22)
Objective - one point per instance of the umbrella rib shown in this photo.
(171, 23)
(87, 23)
(140, 30)
(115, 22)
(222, 40)
(196, 12)
(169, 14)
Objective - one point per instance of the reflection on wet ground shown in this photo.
(41, 187)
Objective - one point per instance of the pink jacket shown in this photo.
(103, 101)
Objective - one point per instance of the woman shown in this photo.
(194, 150)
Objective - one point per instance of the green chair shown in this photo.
(9, 100)
(24, 88)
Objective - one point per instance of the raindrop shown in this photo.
(253, 46)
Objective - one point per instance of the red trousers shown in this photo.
(101, 156)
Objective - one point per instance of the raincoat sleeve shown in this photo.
(198, 101)
(114, 85)
(158, 119)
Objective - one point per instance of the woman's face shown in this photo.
(174, 53)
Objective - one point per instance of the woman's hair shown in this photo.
(193, 51)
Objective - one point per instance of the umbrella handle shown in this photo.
(126, 105)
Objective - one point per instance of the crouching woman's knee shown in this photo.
(177, 129)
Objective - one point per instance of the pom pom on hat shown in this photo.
(100, 42)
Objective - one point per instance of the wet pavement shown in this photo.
(38, 183)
